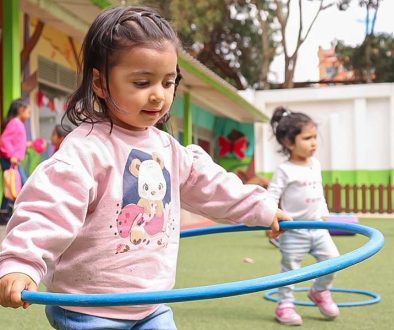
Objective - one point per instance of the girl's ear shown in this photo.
(288, 144)
(97, 85)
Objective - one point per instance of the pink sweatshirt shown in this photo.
(13, 140)
(102, 215)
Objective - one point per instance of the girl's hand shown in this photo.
(275, 230)
(324, 218)
(14, 160)
(11, 286)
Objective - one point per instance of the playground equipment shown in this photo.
(372, 246)
(375, 297)
(342, 217)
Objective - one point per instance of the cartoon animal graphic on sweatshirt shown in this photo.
(146, 197)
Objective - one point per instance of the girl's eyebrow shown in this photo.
(149, 73)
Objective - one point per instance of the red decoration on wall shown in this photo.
(44, 101)
(56, 104)
(237, 147)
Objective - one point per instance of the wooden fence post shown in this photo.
(364, 198)
(372, 198)
(381, 198)
(336, 197)
(355, 198)
(347, 198)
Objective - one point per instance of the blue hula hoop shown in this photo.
(372, 246)
(375, 297)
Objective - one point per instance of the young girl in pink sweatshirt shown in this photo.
(13, 143)
(102, 214)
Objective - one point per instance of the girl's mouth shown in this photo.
(151, 113)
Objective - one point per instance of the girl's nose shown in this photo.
(153, 99)
(156, 96)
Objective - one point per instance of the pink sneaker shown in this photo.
(324, 301)
(285, 314)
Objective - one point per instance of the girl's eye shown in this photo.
(169, 83)
(141, 83)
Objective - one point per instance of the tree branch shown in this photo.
(31, 44)
(75, 54)
(282, 22)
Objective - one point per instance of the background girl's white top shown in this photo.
(299, 190)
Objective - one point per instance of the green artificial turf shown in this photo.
(219, 258)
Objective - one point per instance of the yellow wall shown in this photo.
(53, 45)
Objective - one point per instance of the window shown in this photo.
(55, 82)
(331, 72)
(56, 75)
(200, 136)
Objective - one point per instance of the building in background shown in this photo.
(331, 68)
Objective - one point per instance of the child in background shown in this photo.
(102, 214)
(13, 144)
(59, 132)
(297, 183)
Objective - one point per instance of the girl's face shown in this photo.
(305, 144)
(142, 85)
(56, 140)
(24, 113)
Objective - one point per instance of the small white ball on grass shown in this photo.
(248, 260)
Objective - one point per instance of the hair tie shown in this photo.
(286, 113)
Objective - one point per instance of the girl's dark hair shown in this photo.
(13, 111)
(286, 125)
(62, 130)
(113, 30)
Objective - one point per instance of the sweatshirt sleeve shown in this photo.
(277, 185)
(13, 140)
(207, 189)
(49, 212)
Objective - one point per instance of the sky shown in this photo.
(332, 24)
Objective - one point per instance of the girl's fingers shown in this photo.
(10, 292)
(275, 227)
(15, 294)
(30, 287)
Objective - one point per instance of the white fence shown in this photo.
(356, 125)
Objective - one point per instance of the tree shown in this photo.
(224, 35)
(239, 38)
(371, 7)
(381, 58)
(281, 9)
(265, 17)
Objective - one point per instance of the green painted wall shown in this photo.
(358, 177)
(187, 120)
(11, 53)
(200, 116)
(366, 177)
